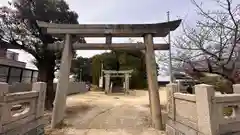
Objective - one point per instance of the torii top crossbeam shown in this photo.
(115, 30)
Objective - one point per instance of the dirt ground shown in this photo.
(95, 113)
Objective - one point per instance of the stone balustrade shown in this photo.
(203, 113)
(22, 113)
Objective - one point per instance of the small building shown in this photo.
(164, 80)
(11, 69)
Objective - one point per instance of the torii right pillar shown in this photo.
(126, 83)
(107, 83)
(151, 67)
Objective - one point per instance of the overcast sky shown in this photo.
(125, 11)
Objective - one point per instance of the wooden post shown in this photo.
(152, 83)
(207, 117)
(41, 88)
(62, 86)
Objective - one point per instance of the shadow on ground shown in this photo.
(72, 111)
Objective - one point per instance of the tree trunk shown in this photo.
(46, 74)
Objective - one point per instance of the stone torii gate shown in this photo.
(126, 74)
(147, 31)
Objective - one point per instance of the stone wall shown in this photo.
(203, 113)
(22, 113)
(20, 87)
(74, 87)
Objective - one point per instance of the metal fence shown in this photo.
(12, 75)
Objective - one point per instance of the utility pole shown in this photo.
(101, 76)
(170, 52)
(80, 74)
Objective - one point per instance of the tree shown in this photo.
(126, 60)
(19, 27)
(213, 45)
(81, 68)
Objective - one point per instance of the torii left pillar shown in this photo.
(63, 83)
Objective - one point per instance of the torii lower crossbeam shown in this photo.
(101, 46)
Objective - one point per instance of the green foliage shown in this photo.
(96, 69)
(127, 60)
(18, 26)
(220, 84)
(227, 111)
(56, 11)
(81, 68)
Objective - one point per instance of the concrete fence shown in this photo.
(22, 113)
(74, 87)
(203, 113)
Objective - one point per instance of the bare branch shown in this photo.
(208, 16)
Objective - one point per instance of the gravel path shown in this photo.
(95, 113)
